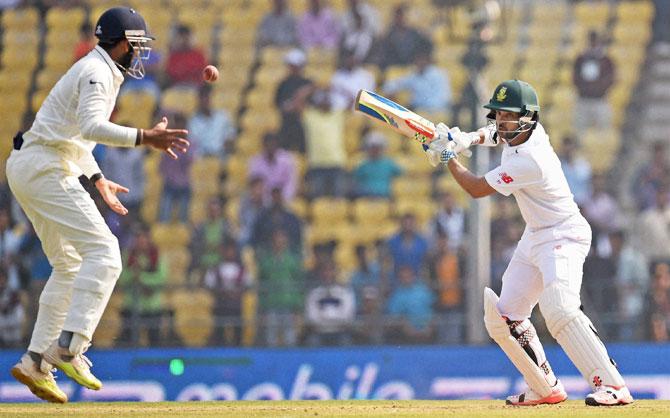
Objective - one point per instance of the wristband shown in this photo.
(140, 137)
(95, 177)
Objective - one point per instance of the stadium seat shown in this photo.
(422, 209)
(178, 261)
(57, 17)
(171, 236)
(180, 99)
(371, 211)
(24, 18)
(299, 207)
(410, 187)
(328, 209)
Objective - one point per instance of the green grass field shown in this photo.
(288, 409)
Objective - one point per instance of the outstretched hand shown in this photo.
(168, 140)
(108, 190)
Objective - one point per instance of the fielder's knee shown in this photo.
(101, 267)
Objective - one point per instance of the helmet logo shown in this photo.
(98, 30)
(502, 94)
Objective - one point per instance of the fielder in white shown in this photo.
(43, 172)
(547, 264)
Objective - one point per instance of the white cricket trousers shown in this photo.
(82, 251)
(541, 258)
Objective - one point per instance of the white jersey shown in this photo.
(532, 173)
(75, 114)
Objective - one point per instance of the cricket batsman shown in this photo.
(43, 171)
(546, 267)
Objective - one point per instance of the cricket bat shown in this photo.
(398, 117)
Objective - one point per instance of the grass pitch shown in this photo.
(286, 409)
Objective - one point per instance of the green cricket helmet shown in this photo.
(514, 96)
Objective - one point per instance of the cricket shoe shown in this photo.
(39, 379)
(530, 397)
(609, 396)
(75, 366)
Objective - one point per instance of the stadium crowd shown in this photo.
(407, 287)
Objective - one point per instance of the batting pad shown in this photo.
(499, 330)
(575, 333)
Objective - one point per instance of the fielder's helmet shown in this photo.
(119, 23)
(125, 23)
(514, 96)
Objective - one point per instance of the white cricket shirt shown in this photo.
(75, 114)
(532, 173)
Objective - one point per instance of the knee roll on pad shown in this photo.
(578, 337)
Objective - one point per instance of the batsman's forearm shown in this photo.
(466, 179)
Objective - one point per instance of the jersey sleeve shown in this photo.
(513, 175)
(88, 164)
(95, 87)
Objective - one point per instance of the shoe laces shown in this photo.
(83, 358)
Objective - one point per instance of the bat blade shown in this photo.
(398, 117)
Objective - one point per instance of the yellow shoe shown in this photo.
(39, 379)
(75, 366)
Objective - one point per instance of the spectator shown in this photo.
(330, 310)
(185, 62)
(428, 86)
(289, 98)
(252, 204)
(10, 241)
(593, 75)
(227, 281)
(212, 129)
(176, 175)
(11, 313)
(208, 237)
(322, 253)
(319, 27)
(632, 283)
(651, 176)
(278, 27)
(577, 170)
(401, 42)
(369, 327)
(273, 218)
(324, 143)
(143, 281)
(408, 248)
(653, 229)
(280, 277)
(449, 220)
(443, 266)
(374, 175)
(277, 168)
(412, 305)
(348, 80)
(368, 274)
(87, 41)
(660, 302)
(603, 213)
(357, 41)
(368, 15)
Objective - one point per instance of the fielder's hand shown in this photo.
(168, 140)
(108, 190)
